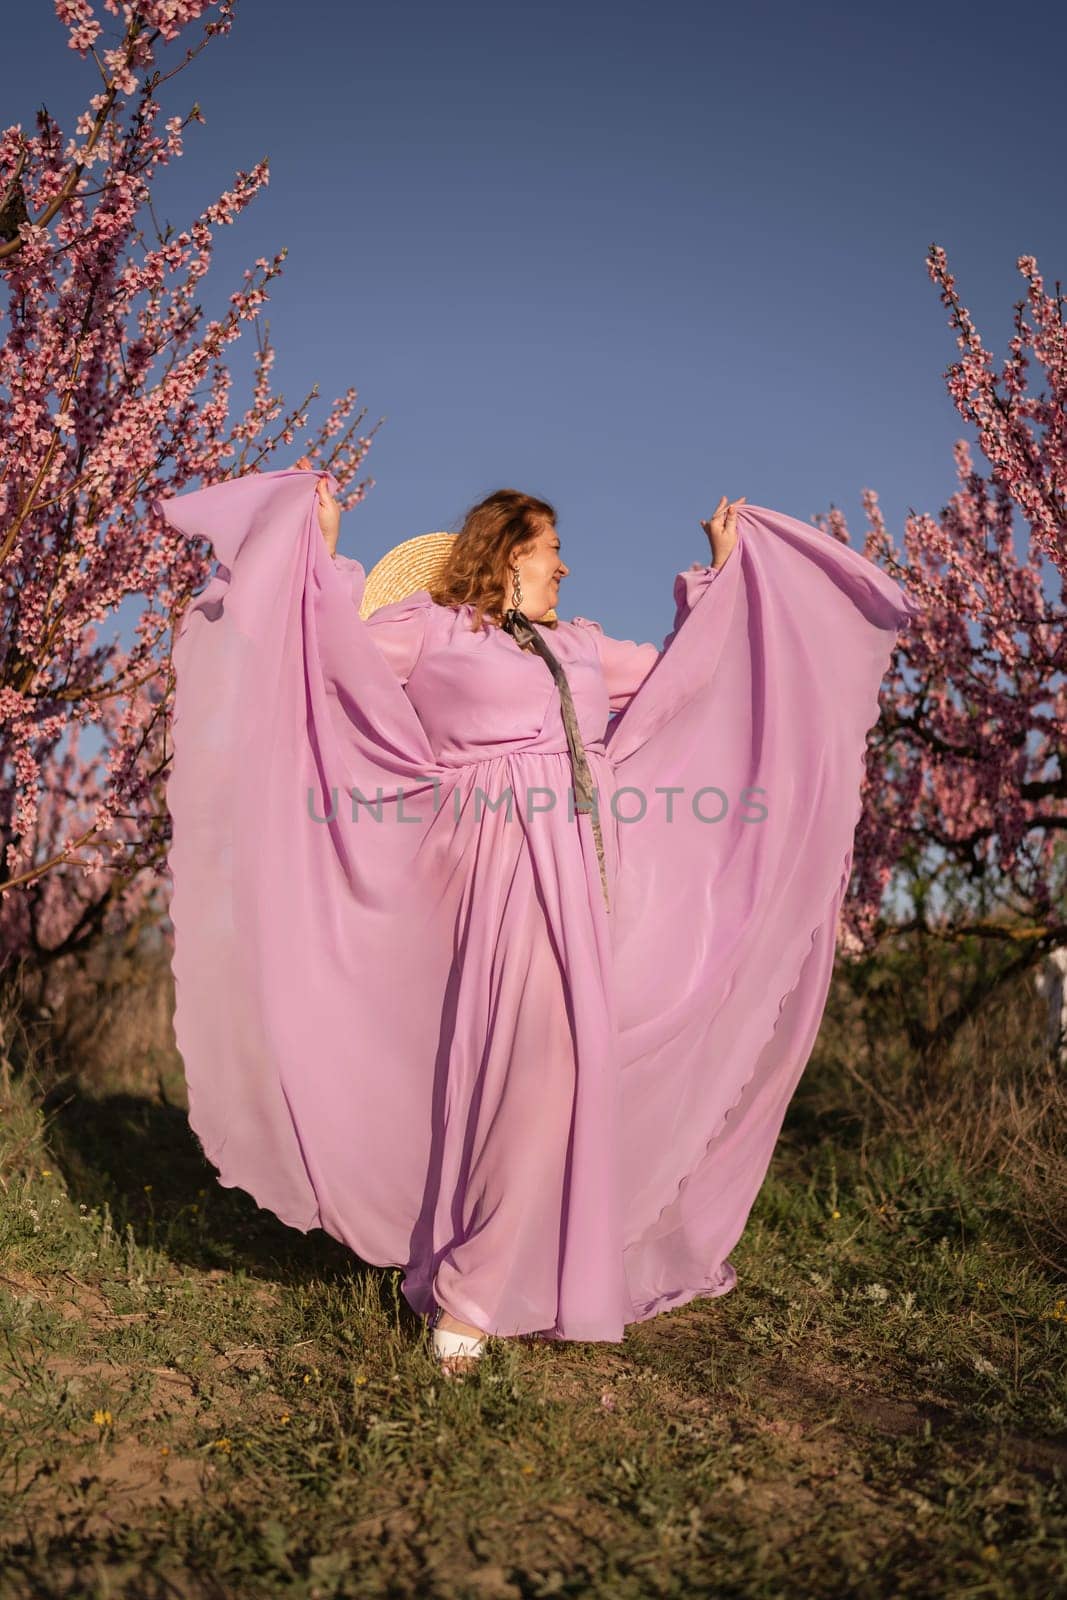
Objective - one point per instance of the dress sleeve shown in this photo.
(398, 630)
(625, 663)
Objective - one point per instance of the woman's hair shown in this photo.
(477, 571)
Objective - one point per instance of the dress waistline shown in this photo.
(595, 747)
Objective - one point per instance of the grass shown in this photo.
(197, 1401)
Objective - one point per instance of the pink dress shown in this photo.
(407, 1014)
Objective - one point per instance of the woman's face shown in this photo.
(541, 570)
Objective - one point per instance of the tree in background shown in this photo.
(966, 784)
(114, 387)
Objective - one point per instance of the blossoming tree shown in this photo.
(114, 387)
(966, 784)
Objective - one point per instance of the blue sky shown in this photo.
(626, 257)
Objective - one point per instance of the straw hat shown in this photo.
(413, 564)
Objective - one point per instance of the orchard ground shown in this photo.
(197, 1401)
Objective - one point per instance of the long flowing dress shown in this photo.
(407, 1011)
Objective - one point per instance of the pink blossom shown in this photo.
(114, 388)
(965, 780)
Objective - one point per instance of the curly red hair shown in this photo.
(477, 571)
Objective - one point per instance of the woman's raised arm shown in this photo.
(398, 630)
(625, 663)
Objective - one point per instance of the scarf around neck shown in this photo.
(527, 637)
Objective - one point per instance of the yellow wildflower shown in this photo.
(102, 1418)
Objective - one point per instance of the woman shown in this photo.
(535, 1050)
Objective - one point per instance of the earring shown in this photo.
(516, 589)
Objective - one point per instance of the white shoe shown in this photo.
(455, 1350)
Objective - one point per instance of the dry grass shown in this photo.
(196, 1401)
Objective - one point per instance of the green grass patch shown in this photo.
(197, 1401)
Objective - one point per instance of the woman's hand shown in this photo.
(329, 509)
(721, 529)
